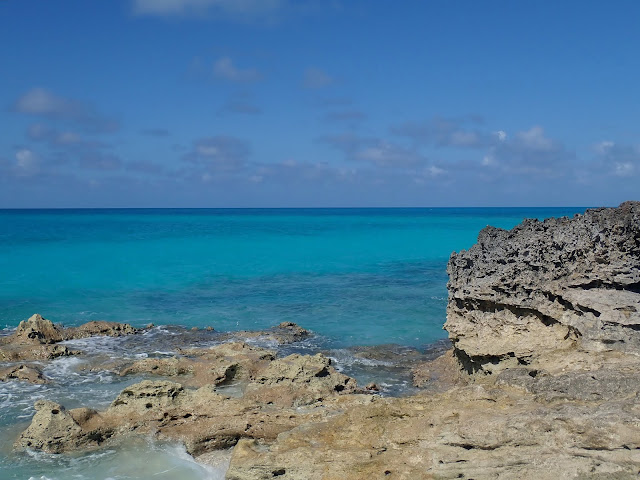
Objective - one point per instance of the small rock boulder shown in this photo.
(37, 330)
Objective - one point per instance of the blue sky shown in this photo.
(283, 103)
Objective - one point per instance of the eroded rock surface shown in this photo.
(560, 284)
(280, 394)
(38, 338)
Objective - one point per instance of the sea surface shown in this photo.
(354, 277)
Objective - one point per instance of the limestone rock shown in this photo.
(284, 333)
(299, 380)
(28, 373)
(37, 330)
(100, 328)
(52, 429)
(218, 365)
(38, 338)
(558, 285)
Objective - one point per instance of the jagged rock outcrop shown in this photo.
(279, 394)
(233, 361)
(38, 338)
(100, 328)
(28, 373)
(542, 287)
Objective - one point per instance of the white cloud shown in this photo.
(316, 78)
(225, 69)
(501, 135)
(238, 8)
(534, 138)
(27, 163)
(625, 169)
(434, 171)
(26, 158)
(444, 132)
(44, 103)
(604, 147)
(219, 154)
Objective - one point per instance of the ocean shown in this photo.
(354, 277)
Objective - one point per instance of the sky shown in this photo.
(319, 103)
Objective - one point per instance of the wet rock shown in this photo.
(99, 328)
(558, 285)
(16, 352)
(27, 373)
(282, 334)
(38, 338)
(52, 429)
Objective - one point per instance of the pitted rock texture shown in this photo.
(38, 338)
(558, 285)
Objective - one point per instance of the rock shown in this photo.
(37, 338)
(37, 330)
(52, 429)
(298, 380)
(558, 285)
(28, 373)
(283, 334)
(99, 328)
(468, 432)
(439, 374)
(280, 395)
(16, 352)
(218, 365)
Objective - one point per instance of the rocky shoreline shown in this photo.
(542, 381)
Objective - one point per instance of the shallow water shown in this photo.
(355, 277)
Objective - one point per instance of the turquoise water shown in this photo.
(352, 276)
(355, 276)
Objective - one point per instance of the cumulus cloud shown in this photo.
(618, 160)
(233, 8)
(219, 154)
(529, 152)
(225, 69)
(26, 162)
(375, 151)
(444, 132)
(44, 103)
(316, 78)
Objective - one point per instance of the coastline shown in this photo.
(542, 377)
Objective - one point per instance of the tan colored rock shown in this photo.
(470, 432)
(100, 328)
(52, 429)
(298, 380)
(27, 373)
(17, 352)
(37, 330)
(218, 365)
